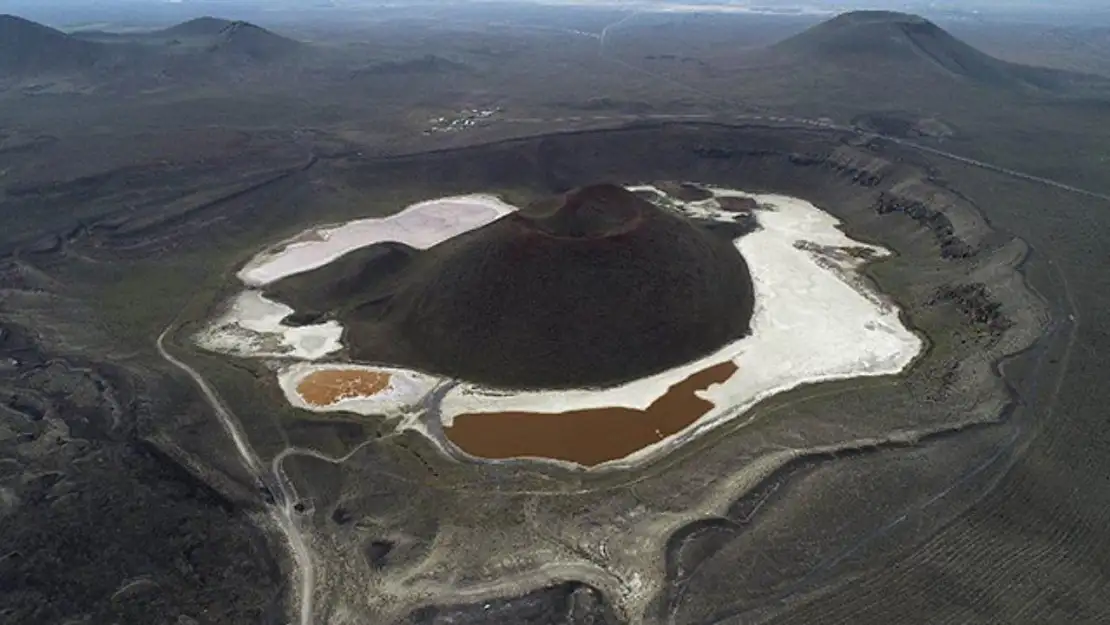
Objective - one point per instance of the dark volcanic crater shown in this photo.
(591, 288)
(590, 214)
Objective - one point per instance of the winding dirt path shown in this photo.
(281, 511)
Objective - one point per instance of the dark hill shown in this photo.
(27, 47)
(594, 288)
(871, 38)
(243, 39)
(199, 27)
(230, 39)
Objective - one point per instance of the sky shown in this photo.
(825, 4)
(71, 13)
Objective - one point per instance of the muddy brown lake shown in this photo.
(590, 436)
(324, 388)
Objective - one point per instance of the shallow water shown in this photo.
(324, 388)
(361, 389)
(591, 436)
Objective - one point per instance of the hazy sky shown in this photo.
(66, 13)
(827, 4)
(837, 5)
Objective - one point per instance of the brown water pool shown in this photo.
(587, 437)
(324, 388)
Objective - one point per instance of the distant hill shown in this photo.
(863, 38)
(236, 39)
(27, 47)
(247, 40)
(206, 49)
(199, 27)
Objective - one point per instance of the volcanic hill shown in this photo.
(28, 47)
(247, 40)
(199, 50)
(206, 26)
(910, 43)
(230, 38)
(592, 288)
